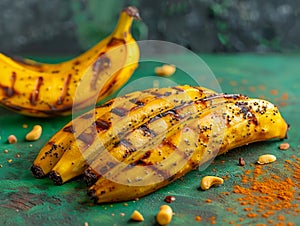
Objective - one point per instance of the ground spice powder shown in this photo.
(266, 196)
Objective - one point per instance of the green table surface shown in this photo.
(25, 200)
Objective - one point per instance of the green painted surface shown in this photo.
(25, 200)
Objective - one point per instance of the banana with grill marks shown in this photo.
(66, 152)
(196, 143)
(45, 90)
(138, 143)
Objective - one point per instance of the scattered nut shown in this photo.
(34, 134)
(165, 70)
(170, 199)
(242, 162)
(12, 139)
(164, 216)
(265, 159)
(209, 181)
(5, 151)
(137, 216)
(284, 146)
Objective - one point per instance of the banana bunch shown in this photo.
(44, 90)
(137, 143)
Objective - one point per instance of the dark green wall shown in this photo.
(57, 27)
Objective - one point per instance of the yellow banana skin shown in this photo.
(71, 150)
(45, 90)
(171, 131)
(246, 121)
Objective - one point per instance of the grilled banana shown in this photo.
(245, 121)
(142, 141)
(65, 139)
(89, 55)
(45, 90)
(109, 125)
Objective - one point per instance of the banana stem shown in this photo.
(122, 30)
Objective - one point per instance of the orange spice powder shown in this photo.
(266, 196)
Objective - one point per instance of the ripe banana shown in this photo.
(246, 121)
(45, 90)
(142, 141)
(66, 152)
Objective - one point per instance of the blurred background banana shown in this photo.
(44, 90)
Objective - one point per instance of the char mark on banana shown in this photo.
(9, 91)
(120, 111)
(69, 129)
(64, 91)
(35, 93)
(102, 125)
(88, 138)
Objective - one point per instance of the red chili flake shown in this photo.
(241, 162)
(170, 199)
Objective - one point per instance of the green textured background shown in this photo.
(25, 200)
(68, 27)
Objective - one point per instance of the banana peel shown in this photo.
(137, 143)
(45, 90)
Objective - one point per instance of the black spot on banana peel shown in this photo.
(165, 136)
(44, 90)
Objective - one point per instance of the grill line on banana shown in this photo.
(159, 135)
(45, 90)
